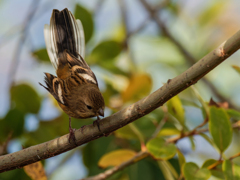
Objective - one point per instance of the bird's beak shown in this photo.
(101, 112)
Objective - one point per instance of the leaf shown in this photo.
(116, 158)
(220, 128)
(217, 171)
(165, 170)
(205, 109)
(87, 21)
(181, 158)
(237, 68)
(139, 86)
(35, 171)
(231, 170)
(25, 98)
(192, 172)
(41, 54)
(210, 13)
(169, 132)
(12, 122)
(160, 149)
(126, 133)
(175, 108)
(94, 150)
(105, 52)
(227, 169)
(233, 114)
(189, 103)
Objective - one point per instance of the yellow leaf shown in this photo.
(35, 171)
(139, 86)
(168, 132)
(176, 109)
(115, 158)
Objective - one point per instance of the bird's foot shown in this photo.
(82, 128)
(72, 136)
(97, 122)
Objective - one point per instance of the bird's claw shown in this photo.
(72, 136)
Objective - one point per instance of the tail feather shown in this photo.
(64, 33)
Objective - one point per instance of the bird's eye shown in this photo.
(89, 107)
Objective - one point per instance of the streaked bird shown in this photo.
(75, 87)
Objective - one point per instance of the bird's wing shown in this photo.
(55, 87)
(81, 69)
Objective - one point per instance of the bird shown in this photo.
(75, 87)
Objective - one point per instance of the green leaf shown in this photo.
(160, 149)
(217, 171)
(94, 150)
(105, 52)
(175, 108)
(233, 114)
(227, 169)
(25, 98)
(231, 170)
(192, 172)
(126, 132)
(165, 170)
(220, 128)
(41, 55)
(115, 158)
(13, 122)
(189, 103)
(181, 158)
(87, 21)
(205, 109)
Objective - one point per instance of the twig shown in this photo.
(24, 33)
(160, 125)
(110, 172)
(139, 156)
(126, 115)
(153, 12)
(4, 145)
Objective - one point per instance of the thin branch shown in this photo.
(160, 125)
(139, 156)
(153, 12)
(144, 154)
(126, 115)
(24, 33)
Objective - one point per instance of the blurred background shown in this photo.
(133, 47)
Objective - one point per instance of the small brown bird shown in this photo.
(75, 88)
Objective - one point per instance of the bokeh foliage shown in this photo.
(127, 81)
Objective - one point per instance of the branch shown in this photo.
(126, 115)
(24, 34)
(153, 12)
(139, 156)
(143, 154)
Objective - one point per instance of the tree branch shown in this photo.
(139, 156)
(153, 12)
(143, 154)
(126, 115)
(24, 32)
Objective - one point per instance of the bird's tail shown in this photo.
(64, 33)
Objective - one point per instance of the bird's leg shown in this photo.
(97, 122)
(71, 131)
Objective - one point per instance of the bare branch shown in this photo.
(14, 64)
(153, 12)
(126, 115)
